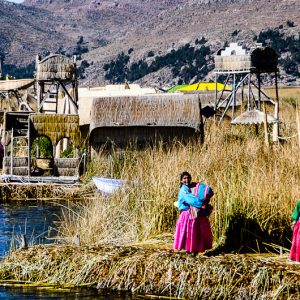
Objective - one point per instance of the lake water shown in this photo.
(37, 220)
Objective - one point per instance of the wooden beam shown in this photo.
(70, 97)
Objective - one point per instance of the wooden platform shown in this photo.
(63, 180)
(9, 85)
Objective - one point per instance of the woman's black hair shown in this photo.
(185, 173)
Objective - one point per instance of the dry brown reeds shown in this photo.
(27, 191)
(155, 272)
(255, 188)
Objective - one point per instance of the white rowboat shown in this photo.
(108, 185)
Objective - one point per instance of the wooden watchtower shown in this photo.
(242, 69)
(55, 75)
(52, 73)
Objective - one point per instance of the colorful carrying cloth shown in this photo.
(203, 192)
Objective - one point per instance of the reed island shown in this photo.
(123, 240)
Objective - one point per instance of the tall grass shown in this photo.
(255, 188)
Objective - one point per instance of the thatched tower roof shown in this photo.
(253, 117)
(56, 127)
(55, 66)
(161, 110)
(236, 59)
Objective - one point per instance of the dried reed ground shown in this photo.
(154, 271)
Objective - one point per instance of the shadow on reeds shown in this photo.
(245, 235)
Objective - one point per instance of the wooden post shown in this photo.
(75, 84)
(9, 102)
(233, 97)
(216, 92)
(259, 88)
(39, 96)
(11, 152)
(266, 125)
(242, 100)
(298, 125)
(58, 149)
(201, 124)
(84, 161)
(53, 153)
(249, 95)
(1, 68)
(276, 113)
(29, 146)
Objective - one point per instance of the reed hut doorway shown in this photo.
(41, 156)
(65, 148)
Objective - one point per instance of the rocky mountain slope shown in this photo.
(100, 30)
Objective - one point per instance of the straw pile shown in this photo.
(55, 67)
(56, 127)
(156, 271)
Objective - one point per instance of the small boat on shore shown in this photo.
(108, 185)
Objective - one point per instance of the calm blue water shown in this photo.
(37, 220)
(37, 294)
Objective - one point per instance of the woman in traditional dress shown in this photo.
(193, 232)
(295, 248)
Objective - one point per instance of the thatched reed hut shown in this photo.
(146, 118)
(26, 127)
(55, 127)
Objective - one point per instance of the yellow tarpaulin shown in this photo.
(204, 86)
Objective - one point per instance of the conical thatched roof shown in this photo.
(252, 117)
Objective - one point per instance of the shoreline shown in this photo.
(156, 271)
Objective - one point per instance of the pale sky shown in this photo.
(16, 1)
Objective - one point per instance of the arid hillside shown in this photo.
(98, 31)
